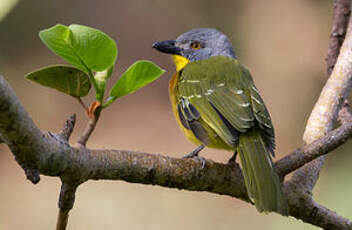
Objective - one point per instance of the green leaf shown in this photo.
(66, 79)
(100, 79)
(136, 76)
(84, 47)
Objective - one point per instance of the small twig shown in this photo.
(68, 127)
(85, 107)
(66, 201)
(94, 114)
(324, 145)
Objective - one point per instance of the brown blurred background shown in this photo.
(282, 42)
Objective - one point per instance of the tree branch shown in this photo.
(330, 100)
(66, 201)
(52, 156)
(68, 127)
(303, 207)
(338, 31)
(324, 145)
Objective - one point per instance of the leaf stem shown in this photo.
(85, 107)
(108, 102)
(94, 114)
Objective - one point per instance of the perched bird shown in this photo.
(217, 105)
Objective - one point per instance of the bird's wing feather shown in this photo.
(222, 90)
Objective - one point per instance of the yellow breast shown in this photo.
(188, 133)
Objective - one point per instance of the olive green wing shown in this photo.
(198, 115)
(222, 90)
(260, 111)
(212, 88)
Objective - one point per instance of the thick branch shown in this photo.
(51, 155)
(18, 131)
(54, 157)
(329, 103)
(302, 206)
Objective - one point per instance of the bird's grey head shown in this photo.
(198, 44)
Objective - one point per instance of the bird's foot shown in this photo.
(194, 155)
(195, 152)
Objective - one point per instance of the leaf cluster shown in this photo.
(92, 55)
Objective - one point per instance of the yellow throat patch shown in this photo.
(180, 62)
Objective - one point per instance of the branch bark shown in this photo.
(53, 156)
(68, 127)
(334, 93)
(324, 145)
(338, 31)
(50, 154)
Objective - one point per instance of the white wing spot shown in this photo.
(198, 95)
(190, 97)
(210, 91)
(246, 119)
(255, 89)
(193, 81)
(244, 104)
(240, 91)
(256, 100)
(265, 124)
(221, 85)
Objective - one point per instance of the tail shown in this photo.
(262, 182)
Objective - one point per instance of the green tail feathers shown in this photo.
(262, 182)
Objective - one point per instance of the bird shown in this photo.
(217, 105)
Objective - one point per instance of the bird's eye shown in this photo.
(195, 45)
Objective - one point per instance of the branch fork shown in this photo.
(50, 154)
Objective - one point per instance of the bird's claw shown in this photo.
(191, 155)
(195, 157)
(201, 159)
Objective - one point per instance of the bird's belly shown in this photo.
(215, 141)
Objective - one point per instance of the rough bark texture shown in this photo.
(324, 145)
(50, 154)
(338, 31)
(334, 93)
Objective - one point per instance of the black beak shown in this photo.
(167, 46)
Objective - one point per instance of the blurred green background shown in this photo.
(282, 42)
